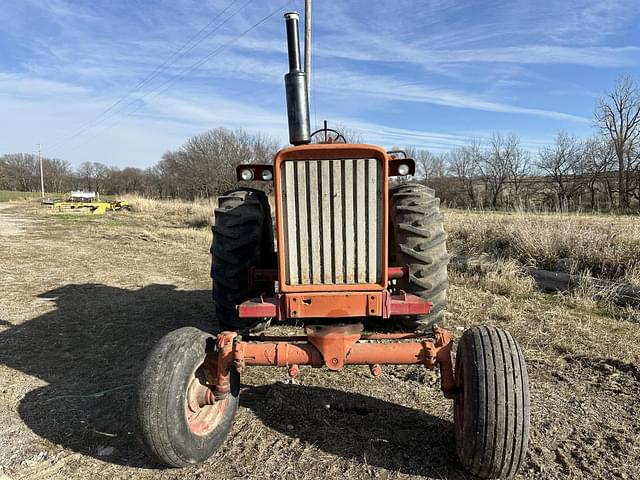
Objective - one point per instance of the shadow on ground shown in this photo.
(372, 431)
(91, 348)
(95, 341)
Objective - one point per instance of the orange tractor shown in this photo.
(351, 248)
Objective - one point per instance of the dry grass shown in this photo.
(632, 274)
(501, 277)
(197, 214)
(606, 245)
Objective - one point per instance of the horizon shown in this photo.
(120, 84)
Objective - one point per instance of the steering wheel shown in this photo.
(330, 135)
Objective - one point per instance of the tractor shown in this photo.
(353, 246)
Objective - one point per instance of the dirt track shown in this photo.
(83, 300)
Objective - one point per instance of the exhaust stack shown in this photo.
(294, 81)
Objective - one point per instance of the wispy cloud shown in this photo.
(390, 89)
(421, 73)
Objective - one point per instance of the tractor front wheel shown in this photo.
(491, 411)
(179, 422)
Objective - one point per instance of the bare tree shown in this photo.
(561, 161)
(93, 175)
(428, 165)
(22, 171)
(618, 116)
(598, 158)
(495, 165)
(633, 172)
(58, 175)
(519, 171)
(463, 166)
(205, 165)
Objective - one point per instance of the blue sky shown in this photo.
(429, 74)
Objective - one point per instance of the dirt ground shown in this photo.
(83, 299)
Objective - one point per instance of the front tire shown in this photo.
(176, 425)
(491, 413)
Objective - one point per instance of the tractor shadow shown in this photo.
(89, 351)
(358, 427)
(91, 348)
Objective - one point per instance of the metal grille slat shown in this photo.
(289, 215)
(360, 212)
(314, 222)
(373, 201)
(327, 237)
(303, 222)
(348, 215)
(336, 214)
(332, 211)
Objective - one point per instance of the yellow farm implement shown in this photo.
(93, 207)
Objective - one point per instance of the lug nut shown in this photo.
(293, 371)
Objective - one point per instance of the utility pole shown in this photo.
(307, 48)
(41, 172)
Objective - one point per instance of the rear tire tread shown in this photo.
(416, 222)
(242, 239)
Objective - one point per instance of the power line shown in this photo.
(167, 84)
(188, 46)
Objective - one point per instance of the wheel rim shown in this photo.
(459, 400)
(202, 411)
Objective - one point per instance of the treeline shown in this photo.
(204, 166)
(569, 174)
(600, 172)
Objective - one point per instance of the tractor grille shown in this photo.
(332, 212)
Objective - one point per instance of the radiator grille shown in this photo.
(332, 212)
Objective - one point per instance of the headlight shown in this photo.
(267, 175)
(246, 174)
(403, 169)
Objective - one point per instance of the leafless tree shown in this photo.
(463, 165)
(22, 171)
(562, 161)
(496, 165)
(618, 116)
(206, 164)
(428, 165)
(633, 172)
(93, 175)
(519, 172)
(58, 175)
(599, 158)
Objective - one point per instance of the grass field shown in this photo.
(603, 245)
(85, 297)
(9, 196)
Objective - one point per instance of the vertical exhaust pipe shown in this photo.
(295, 86)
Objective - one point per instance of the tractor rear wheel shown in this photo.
(242, 239)
(179, 422)
(417, 238)
(491, 411)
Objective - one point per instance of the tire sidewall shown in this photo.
(465, 361)
(163, 430)
(191, 447)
